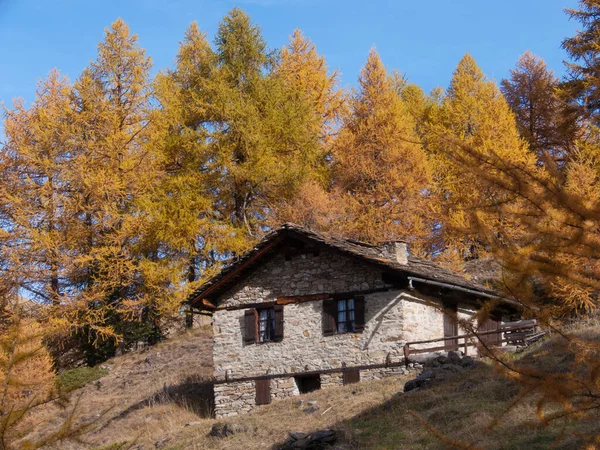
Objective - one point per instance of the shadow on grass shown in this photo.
(457, 411)
(193, 393)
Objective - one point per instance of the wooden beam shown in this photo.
(302, 298)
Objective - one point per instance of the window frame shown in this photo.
(270, 325)
(347, 312)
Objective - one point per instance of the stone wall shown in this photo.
(392, 318)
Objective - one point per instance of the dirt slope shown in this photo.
(145, 396)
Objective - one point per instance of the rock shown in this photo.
(453, 368)
(442, 359)
(433, 363)
(310, 410)
(454, 357)
(192, 424)
(467, 361)
(426, 376)
(317, 440)
(324, 436)
(312, 403)
(297, 436)
(161, 443)
(222, 429)
(410, 385)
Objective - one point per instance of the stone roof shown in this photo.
(416, 267)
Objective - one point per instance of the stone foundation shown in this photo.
(235, 398)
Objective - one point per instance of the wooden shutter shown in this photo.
(451, 325)
(250, 330)
(278, 323)
(351, 376)
(263, 391)
(359, 314)
(329, 313)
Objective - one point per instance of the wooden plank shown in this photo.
(351, 376)
(302, 298)
(247, 306)
(263, 392)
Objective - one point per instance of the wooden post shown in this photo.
(466, 346)
(406, 353)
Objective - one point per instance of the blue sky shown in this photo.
(423, 39)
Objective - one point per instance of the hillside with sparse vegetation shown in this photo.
(126, 188)
(159, 399)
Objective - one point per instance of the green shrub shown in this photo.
(69, 380)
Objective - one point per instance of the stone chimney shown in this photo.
(396, 250)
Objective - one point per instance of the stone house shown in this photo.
(303, 311)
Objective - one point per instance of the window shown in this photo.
(266, 325)
(308, 383)
(263, 325)
(345, 315)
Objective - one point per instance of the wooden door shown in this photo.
(492, 324)
(351, 376)
(263, 391)
(451, 325)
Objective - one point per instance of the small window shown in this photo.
(263, 325)
(308, 383)
(266, 325)
(345, 316)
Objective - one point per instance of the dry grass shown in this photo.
(368, 415)
(145, 396)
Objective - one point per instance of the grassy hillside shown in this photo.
(157, 400)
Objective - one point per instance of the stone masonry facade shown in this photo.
(392, 318)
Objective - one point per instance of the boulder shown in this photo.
(442, 359)
(313, 441)
(467, 361)
(454, 357)
(410, 385)
(224, 429)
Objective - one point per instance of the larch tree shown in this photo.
(583, 69)
(382, 171)
(263, 132)
(184, 208)
(475, 114)
(308, 79)
(36, 200)
(542, 116)
(112, 172)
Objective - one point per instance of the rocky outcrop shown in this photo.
(439, 369)
(317, 440)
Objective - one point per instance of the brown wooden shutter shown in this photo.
(329, 313)
(359, 314)
(263, 391)
(351, 376)
(250, 319)
(278, 323)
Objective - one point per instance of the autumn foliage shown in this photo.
(121, 192)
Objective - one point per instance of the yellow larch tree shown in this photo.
(472, 114)
(380, 168)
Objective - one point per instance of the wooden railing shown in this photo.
(522, 332)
